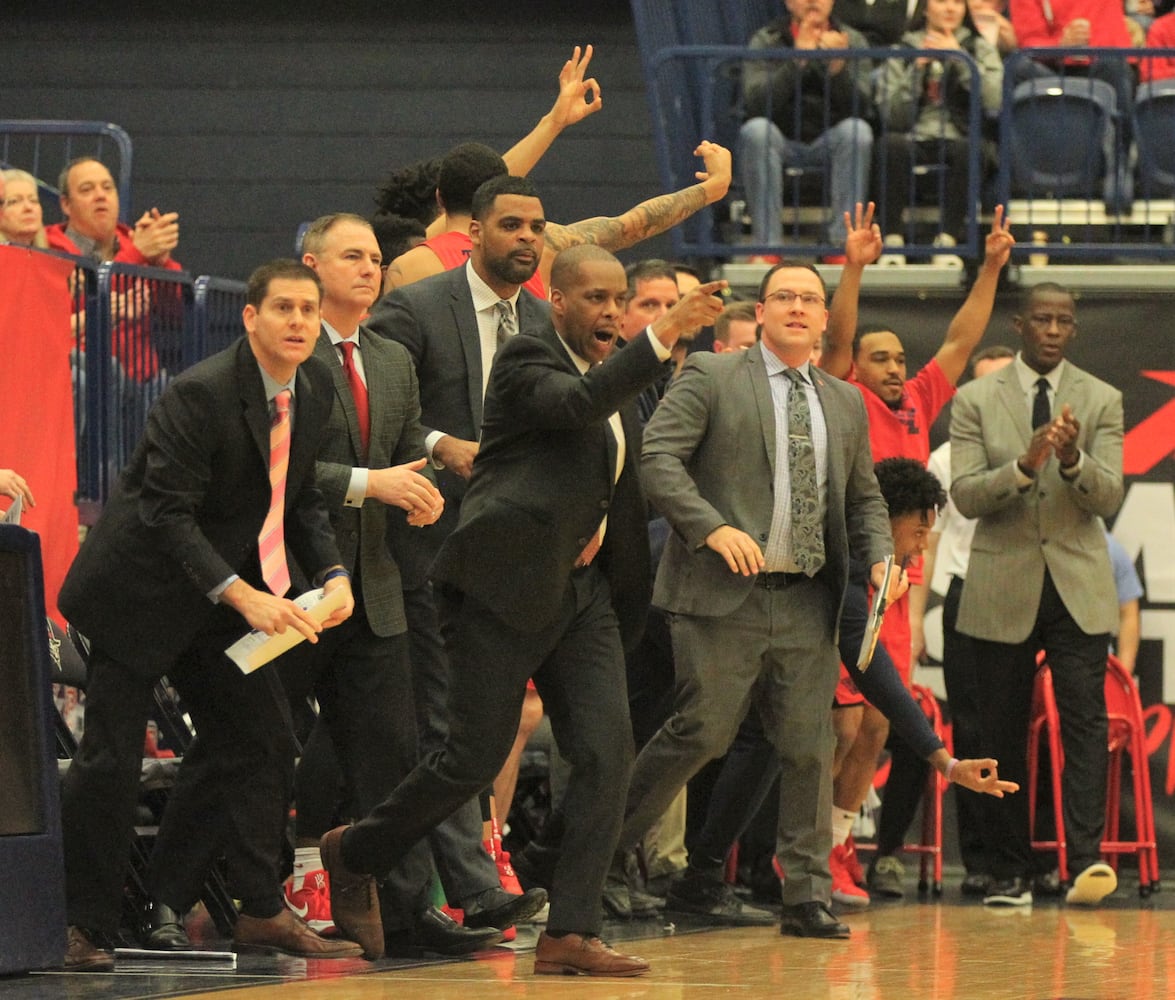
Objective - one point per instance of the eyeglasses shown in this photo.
(785, 297)
(1045, 320)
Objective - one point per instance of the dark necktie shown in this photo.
(807, 535)
(358, 391)
(507, 324)
(1041, 411)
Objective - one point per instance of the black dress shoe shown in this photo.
(812, 919)
(437, 933)
(165, 929)
(711, 897)
(501, 909)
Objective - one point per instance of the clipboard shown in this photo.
(876, 617)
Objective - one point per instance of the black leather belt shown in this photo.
(777, 581)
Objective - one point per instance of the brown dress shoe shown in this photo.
(354, 902)
(82, 955)
(288, 934)
(583, 955)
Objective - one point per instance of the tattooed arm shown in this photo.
(652, 217)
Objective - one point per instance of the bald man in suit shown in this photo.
(1036, 456)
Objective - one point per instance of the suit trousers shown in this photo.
(363, 684)
(231, 796)
(776, 652)
(578, 667)
(1078, 662)
(465, 869)
(961, 674)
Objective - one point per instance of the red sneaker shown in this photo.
(844, 890)
(308, 897)
(853, 863)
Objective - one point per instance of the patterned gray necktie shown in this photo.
(507, 324)
(807, 534)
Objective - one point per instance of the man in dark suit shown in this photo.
(450, 324)
(1036, 456)
(755, 570)
(551, 544)
(371, 468)
(169, 577)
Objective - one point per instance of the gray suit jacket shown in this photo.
(396, 438)
(1053, 523)
(709, 460)
(435, 321)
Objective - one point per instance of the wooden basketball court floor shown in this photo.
(930, 949)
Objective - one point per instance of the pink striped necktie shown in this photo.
(272, 543)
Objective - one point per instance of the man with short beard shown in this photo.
(535, 582)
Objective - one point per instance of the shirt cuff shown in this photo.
(356, 489)
(430, 442)
(215, 592)
(1075, 470)
(663, 353)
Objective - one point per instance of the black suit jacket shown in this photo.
(434, 319)
(187, 510)
(543, 481)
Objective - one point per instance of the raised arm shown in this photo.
(577, 99)
(652, 217)
(970, 322)
(862, 247)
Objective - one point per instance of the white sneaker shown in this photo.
(893, 259)
(1093, 885)
(945, 259)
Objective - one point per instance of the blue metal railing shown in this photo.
(44, 148)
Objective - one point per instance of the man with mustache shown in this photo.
(535, 581)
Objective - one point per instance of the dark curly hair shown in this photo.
(908, 486)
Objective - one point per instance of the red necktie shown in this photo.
(358, 391)
(271, 543)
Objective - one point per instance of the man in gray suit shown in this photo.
(754, 626)
(373, 472)
(1036, 456)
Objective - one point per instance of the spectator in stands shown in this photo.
(1077, 24)
(736, 328)
(882, 22)
(20, 210)
(1036, 456)
(991, 21)
(89, 201)
(1160, 35)
(168, 578)
(805, 113)
(925, 104)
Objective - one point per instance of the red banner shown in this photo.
(36, 403)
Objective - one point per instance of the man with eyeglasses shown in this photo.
(1036, 456)
(767, 494)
